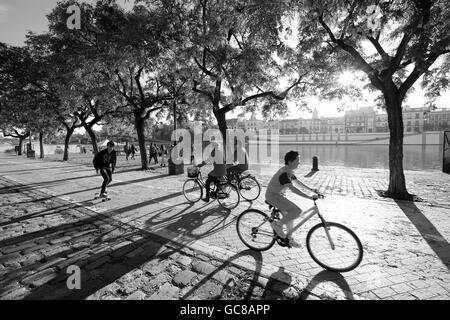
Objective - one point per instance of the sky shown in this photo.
(19, 16)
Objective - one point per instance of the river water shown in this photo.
(415, 157)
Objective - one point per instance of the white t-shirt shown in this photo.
(279, 182)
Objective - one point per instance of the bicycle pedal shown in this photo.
(283, 242)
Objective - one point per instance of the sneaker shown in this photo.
(294, 243)
(276, 225)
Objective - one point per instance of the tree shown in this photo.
(407, 36)
(233, 46)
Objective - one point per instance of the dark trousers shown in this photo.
(107, 178)
(208, 182)
(235, 170)
(153, 156)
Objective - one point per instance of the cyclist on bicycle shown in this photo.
(218, 171)
(275, 195)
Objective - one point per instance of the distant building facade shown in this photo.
(363, 120)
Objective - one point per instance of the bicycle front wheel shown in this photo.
(228, 196)
(249, 188)
(334, 247)
(254, 230)
(192, 190)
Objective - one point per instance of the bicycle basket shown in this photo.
(193, 172)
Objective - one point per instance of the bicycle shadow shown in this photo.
(327, 276)
(246, 292)
(279, 282)
(196, 224)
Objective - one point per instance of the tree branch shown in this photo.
(206, 93)
(360, 61)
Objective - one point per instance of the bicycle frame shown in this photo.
(311, 212)
(201, 181)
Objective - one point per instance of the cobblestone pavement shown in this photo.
(148, 224)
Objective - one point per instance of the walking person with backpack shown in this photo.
(105, 162)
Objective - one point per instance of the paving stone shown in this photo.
(166, 292)
(138, 295)
(203, 267)
(384, 293)
(158, 281)
(16, 294)
(183, 260)
(12, 257)
(154, 268)
(208, 291)
(183, 278)
(48, 264)
(59, 240)
(223, 276)
(98, 262)
(134, 253)
(40, 278)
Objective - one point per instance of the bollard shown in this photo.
(315, 161)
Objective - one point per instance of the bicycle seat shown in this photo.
(271, 206)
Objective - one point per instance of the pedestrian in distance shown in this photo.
(163, 155)
(153, 153)
(105, 162)
(132, 151)
(126, 150)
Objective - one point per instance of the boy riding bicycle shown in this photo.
(285, 179)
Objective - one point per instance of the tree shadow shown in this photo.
(113, 184)
(42, 213)
(432, 236)
(101, 262)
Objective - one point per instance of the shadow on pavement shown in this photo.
(196, 293)
(279, 281)
(428, 231)
(49, 184)
(328, 276)
(196, 224)
(310, 174)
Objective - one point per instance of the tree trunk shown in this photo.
(41, 145)
(21, 139)
(139, 124)
(397, 183)
(222, 123)
(93, 138)
(66, 143)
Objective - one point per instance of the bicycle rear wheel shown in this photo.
(346, 254)
(192, 190)
(254, 230)
(227, 195)
(249, 188)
